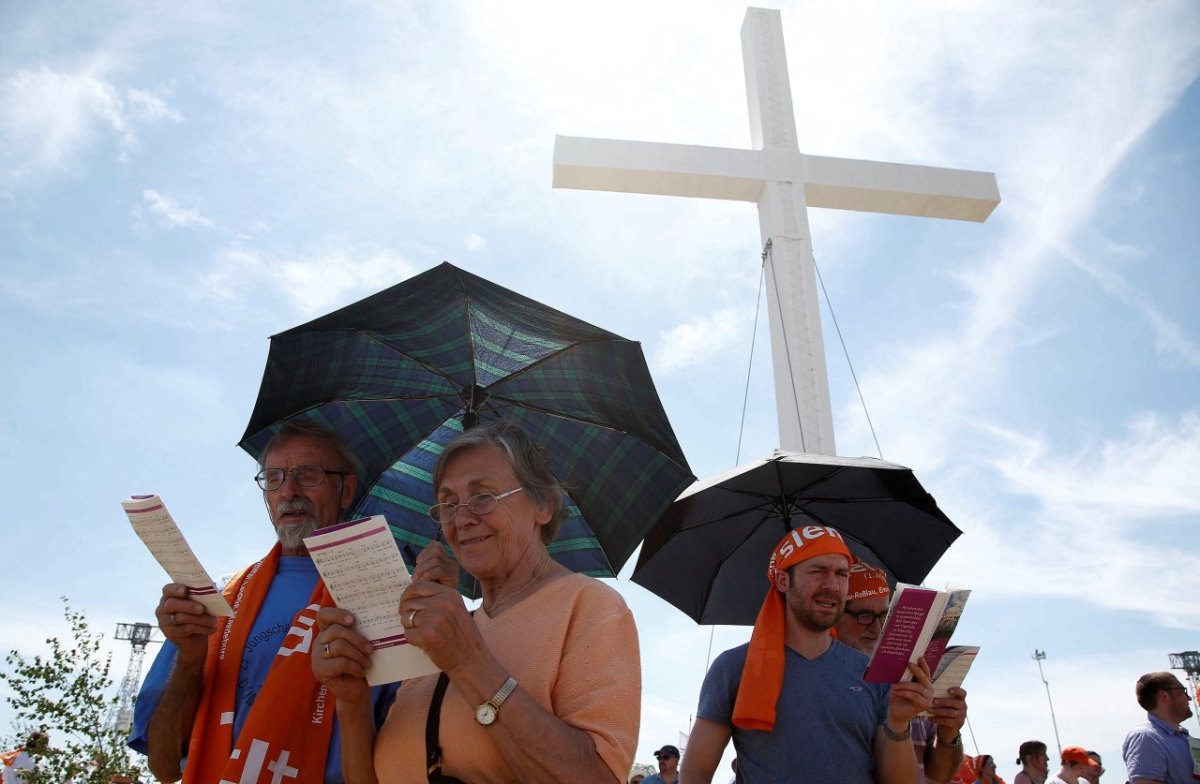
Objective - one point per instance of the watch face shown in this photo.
(485, 714)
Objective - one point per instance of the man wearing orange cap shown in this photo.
(1075, 762)
(793, 699)
(867, 599)
(937, 739)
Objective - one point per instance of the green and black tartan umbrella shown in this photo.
(399, 373)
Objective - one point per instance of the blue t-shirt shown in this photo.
(825, 719)
(289, 592)
(1159, 752)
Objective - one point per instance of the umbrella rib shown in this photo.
(582, 421)
(374, 336)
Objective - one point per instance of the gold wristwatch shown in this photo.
(485, 714)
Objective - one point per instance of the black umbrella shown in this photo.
(708, 554)
(402, 372)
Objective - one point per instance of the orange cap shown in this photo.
(1078, 755)
(867, 582)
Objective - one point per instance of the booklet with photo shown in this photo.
(157, 529)
(361, 565)
(919, 624)
(952, 669)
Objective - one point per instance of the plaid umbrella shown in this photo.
(400, 373)
(708, 554)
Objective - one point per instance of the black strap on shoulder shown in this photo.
(433, 749)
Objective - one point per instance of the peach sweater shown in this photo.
(572, 645)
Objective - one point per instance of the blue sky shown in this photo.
(179, 183)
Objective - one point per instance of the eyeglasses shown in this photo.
(481, 504)
(866, 617)
(305, 475)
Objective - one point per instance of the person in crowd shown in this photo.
(867, 598)
(1159, 749)
(1034, 762)
(542, 683)
(937, 738)
(16, 763)
(793, 699)
(236, 697)
(668, 766)
(1094, 772)
(1075, 761)
(985, 768)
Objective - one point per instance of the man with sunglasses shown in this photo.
(668, 766)
(235, 699)
(937, 739)
(1158, 751)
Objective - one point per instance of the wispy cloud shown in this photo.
(474, 242)
(51, 117)
(698, 340)
(171, 213)
(1121, 506)
(1170, 340)
(310, 284)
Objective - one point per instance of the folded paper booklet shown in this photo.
(156, 528)
(362, 568)
(919, 624)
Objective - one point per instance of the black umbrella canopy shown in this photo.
(399, 373)
(708, 554)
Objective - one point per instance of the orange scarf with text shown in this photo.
(762, 674)
(286, 736)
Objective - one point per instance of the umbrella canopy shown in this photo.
(402, 372)
(708, 554)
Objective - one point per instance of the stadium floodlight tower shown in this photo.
(120, 716)
(1189, 662)
(1039, 656)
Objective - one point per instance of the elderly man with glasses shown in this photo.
(234, 699)
(937, 739)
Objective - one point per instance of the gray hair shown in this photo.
(303, 428)
(529, 461)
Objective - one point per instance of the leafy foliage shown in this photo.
(63, 694)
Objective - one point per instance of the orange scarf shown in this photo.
(286, 736)
(762, 675)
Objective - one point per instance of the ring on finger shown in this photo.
(326, 650)
(412, 619)
(173, 619)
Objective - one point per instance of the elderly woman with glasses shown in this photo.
(541, 683)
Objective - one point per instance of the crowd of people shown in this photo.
(542, 683)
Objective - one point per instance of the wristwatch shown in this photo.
(485, 714)
(953, 744)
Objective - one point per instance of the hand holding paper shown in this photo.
(157, 529)
(363, 570)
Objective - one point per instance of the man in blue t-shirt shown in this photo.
(308, 477)
(793, 699)
(1158, 751)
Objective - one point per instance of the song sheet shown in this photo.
(157, 529)
(362, 568)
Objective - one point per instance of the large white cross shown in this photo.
(783, 182)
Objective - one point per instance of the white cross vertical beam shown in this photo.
(783, 182)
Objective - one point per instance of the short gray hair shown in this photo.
(529, 461)
(304, 428)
